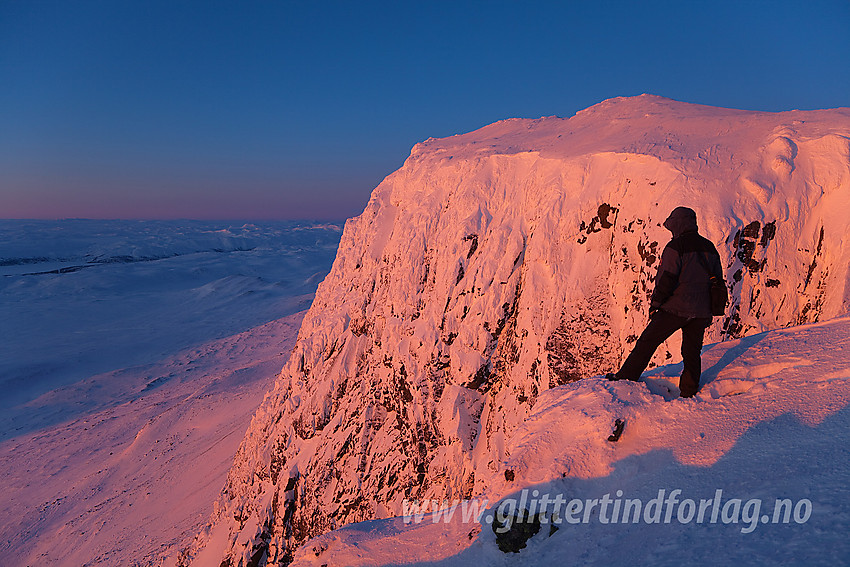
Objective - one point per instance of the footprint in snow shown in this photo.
(722, 388)
(660, 386)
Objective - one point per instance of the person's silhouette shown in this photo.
(681, 300)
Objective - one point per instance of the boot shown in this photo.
(687, 385)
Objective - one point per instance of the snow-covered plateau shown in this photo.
(133, 355)
(451, 352)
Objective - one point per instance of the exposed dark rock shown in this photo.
(562, 362)
(482, 379)
(513, 532)
(473, 238)
(814, 263)
(648, 252)
(768, 233)
(600, 221)
(751, 230)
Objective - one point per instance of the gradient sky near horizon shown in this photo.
(283, 109)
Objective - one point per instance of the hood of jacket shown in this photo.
(681, 220)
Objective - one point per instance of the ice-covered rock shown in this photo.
(500, 263)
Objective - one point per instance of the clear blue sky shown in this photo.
(278, 109)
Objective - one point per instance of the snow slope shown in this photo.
(771, 423)
(130, 483)
(133, 355)
(496, 265)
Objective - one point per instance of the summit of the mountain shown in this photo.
(498, 264)
(645, 124)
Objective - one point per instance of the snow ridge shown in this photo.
(496, 265)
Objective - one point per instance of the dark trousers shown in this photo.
(660, 327)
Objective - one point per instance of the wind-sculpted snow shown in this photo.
(770, 424)
(498, 264)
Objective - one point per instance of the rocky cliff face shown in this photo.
(497, 264)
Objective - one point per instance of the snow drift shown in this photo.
(496, 265)
(770, 425)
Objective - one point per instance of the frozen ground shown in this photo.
(771, 423)
(133, 356)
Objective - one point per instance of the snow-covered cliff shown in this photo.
(497, 264)
(771, 425)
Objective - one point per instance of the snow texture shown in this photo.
(84, 297)
(132, 359)
(760, 430)
(497, 265)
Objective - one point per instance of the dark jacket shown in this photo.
(682, 283)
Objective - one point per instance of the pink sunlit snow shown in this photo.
(497, 267)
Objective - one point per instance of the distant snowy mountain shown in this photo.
(499, 264)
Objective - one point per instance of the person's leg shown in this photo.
(659, 329)
(693, 333)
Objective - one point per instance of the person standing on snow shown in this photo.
(681, 300)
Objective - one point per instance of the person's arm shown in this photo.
(667, 278)
(716, 264)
